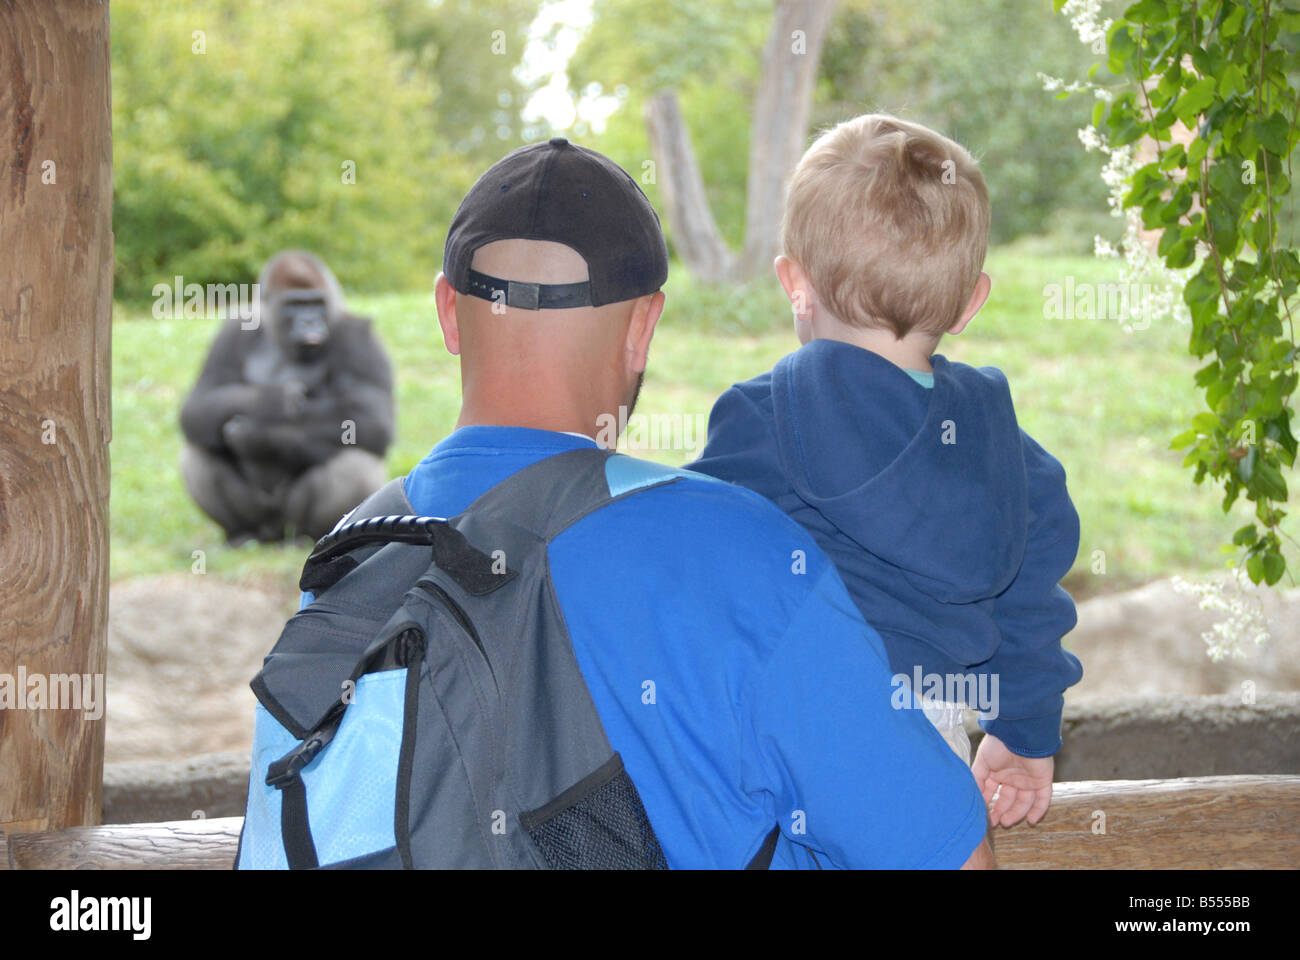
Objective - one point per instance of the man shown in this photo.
(726, 661)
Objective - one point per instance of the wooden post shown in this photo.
(56, 291)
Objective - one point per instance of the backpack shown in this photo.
(426, 710)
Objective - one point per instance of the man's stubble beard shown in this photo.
(636, 392)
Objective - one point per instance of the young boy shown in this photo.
(950, 526)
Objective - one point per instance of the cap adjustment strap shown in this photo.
(529, 296)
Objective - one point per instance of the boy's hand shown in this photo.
(1025, 782)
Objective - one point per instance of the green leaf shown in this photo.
(1194, 101)
(1208, 374)
(1233, 80)
(1218, 390)
(1147, 11)
(1269, 481)
(1274, 135)
(1206, 423)
(1120, 47)
(1255, 568)
(1246, 536)
(1181, 254)
(1274, 567)
(1231, 25)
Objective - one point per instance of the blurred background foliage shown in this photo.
(225, 156)
(967, 69)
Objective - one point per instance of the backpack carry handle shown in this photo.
(391, 529)
(472, 569)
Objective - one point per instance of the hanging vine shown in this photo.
(1220, 73)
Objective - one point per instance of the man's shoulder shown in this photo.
(726, 500)
(722, 555)
(710, 510)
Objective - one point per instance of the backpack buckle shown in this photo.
(285, 770)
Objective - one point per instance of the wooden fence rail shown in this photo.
(1244, 822)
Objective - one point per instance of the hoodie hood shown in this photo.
(932, 481)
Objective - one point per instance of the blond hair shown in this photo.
(890, 222)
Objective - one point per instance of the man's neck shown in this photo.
(576, 424)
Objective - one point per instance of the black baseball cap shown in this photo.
(561, 192)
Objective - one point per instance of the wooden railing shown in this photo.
(1246, 822)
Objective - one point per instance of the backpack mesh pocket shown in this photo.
(597, 824)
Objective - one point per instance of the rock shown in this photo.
(1147, 642)
(1141, 738)
(183, 648)
(181, 651)
(151, 791)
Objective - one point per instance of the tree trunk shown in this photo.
(782, 105)
(686, 206)
(56, 289)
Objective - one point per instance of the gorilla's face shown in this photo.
(302, 323)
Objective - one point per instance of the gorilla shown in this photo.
(288, 423)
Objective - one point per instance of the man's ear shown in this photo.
(795, 283)
(445, 298)
(641, 329)
(977, 298)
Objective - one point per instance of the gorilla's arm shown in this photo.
(221, 391)
(359, 388)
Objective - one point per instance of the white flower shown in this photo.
(1244, 609)
(1140, 265)
(1084, 16)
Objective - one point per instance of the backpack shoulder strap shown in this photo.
(551, 495)
(540, 501)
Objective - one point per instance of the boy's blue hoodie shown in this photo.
(950, 526)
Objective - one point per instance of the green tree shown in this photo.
(237, 127)
(468, 52)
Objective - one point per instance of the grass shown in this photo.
(1105, 402)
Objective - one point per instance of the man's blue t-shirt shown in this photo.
(732, 673)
